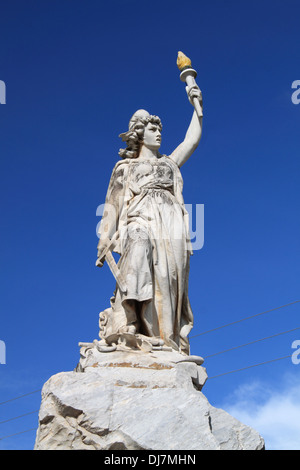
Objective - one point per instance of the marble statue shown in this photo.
(146, 223)
(138, 387)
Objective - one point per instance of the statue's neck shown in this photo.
(146, 152)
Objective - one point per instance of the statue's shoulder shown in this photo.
(121, 166)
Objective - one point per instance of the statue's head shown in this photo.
(143, 129)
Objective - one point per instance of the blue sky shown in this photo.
(75, 72)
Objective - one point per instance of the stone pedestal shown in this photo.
(136, 401)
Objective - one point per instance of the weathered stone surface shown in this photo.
(127, 402)
(174, 368)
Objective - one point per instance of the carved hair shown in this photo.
(134, 137)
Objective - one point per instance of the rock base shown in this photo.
(136, 401)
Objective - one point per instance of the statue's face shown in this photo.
(152, 136)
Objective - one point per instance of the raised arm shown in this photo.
(192, 138)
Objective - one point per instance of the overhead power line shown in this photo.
(20, 396)
(20, 416)
(243, 319)
(249, 367)
(251, 342)
(205, 357)
(209, 378)
(213, 377)
(17, 433)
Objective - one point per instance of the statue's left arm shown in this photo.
(192, 138)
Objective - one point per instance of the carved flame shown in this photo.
(183, 61)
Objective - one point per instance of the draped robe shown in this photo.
(144, 207)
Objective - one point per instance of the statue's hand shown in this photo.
(194, 92)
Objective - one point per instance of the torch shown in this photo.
(188, 75)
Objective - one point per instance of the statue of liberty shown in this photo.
(146, 223)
